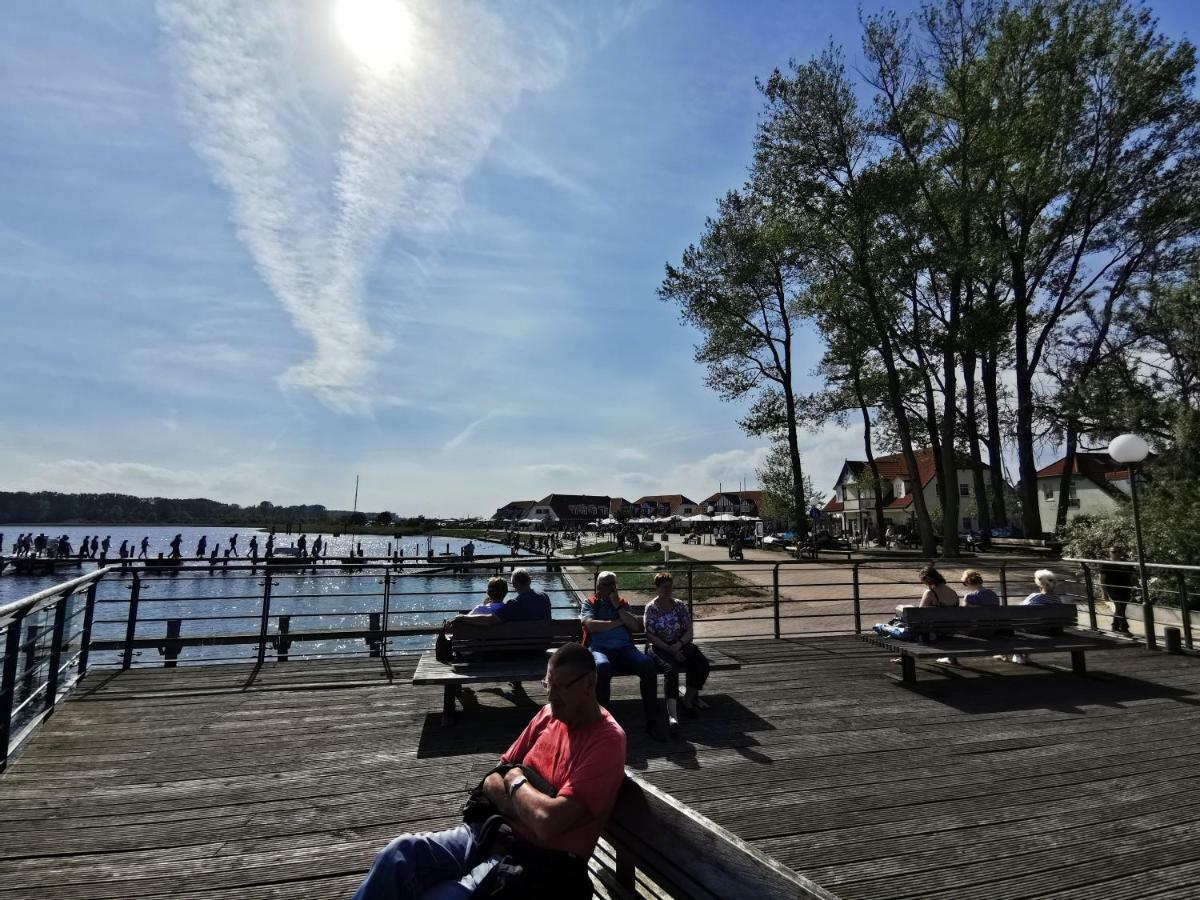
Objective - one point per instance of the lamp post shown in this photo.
(1129, 449)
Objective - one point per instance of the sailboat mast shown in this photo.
(355, 493)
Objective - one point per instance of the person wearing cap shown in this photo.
(608, 629)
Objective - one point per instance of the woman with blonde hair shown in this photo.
(669, 643)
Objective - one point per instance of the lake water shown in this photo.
(229, 601)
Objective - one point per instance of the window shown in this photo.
(964, 490)
(899, 488)
(967, 524)
(1048, 493)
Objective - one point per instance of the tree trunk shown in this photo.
(1031, 520)
(880, 524)
(950, 494)
(1065, 479)
(973, 438)
(789, 399)
(991, 401)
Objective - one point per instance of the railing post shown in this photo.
(135, 593)
(1185, 614)
(1091, 597)
(85, 638)
(857, 602)
(170, 649)
(56, 642)
(690, 598)
(387, 604)
(283, 642)
(1148, 616)
(775, 596)
(1003, 585)
(8, 684)
(373, 633)
(32, 633)
(266, 618)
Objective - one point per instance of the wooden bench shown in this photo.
(685, 855)
(529, 643)
(987, 630)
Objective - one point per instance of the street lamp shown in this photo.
(1129, 449)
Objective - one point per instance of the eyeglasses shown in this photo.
(562, 687)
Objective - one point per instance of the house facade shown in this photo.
(737, 503)
(570, 510)
(512, 511)
(1098, 485)
(662, 505)
(851, 510)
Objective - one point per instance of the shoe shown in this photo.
(948, 661)
(1000, 657)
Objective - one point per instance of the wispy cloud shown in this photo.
(554, 470)
(458, 439)
(315, 226)
(630, 453)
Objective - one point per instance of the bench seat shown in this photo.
(972, 631)
(537, 639)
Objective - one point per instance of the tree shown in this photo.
(739, 286)
(384, 518)
(779, 500)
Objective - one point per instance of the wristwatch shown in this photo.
(511, 787)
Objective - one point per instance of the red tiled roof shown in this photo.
(834, 505)
(671, 500)
(1096, 466)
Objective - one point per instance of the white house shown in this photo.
(851, 510)
(1098, 485)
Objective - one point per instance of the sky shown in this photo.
(249, 251)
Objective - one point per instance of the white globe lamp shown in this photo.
(1129, 450)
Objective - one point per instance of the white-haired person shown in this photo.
(1045, 595)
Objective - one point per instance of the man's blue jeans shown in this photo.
(429, 866)
(627, 661)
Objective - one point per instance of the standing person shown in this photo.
(233, 546)
(175, 542)
(95, 545)
(1, 541)
(105, 544)
(669, 644)
(318, 545)
(254, 548)
(1117, 584)
(39, 544)
(302, 545)
(64, 547)
(144, 553)
(202, 546)
(271, 544)
(85, 547)
(608, 627)
(123, 550)
(555, 787)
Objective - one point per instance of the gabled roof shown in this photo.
(892, 466)
(671, 500)
(1097, 467)
(578, 506)
(754, 497)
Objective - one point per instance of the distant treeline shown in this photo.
(48, 506)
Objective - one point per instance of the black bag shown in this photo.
(442, 650)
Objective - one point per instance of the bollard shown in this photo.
(375, 636)
(170, 649)
(1172, 639)
(283, 641)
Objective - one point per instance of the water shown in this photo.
(219, 601)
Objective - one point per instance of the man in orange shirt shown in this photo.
(575, 751)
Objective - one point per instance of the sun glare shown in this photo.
(378, 32)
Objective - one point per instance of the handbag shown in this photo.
(443, 652)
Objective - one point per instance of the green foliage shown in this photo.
(50, 507)
(383, 518)
(775, 477)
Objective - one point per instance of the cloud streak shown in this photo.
(315, 224)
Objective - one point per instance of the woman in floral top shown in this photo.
(669, 639)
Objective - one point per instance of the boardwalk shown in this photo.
(200, 783)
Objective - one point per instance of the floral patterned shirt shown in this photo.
(667, 626)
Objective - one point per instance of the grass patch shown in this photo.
(635, 573)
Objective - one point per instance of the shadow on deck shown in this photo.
(990, 781)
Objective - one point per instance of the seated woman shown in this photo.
(1044, 595)
(669, 643)
(497, 590)
(937, 593)
(977, 594)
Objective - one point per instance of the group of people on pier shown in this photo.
(532, 823)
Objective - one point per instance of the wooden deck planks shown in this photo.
(222, 782)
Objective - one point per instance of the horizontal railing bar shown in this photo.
(215, 640)
(25, 604)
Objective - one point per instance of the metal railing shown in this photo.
(127, 617)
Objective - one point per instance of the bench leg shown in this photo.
(449, 693)
(1078, 662)
(908, 669)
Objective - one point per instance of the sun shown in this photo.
(378, 32)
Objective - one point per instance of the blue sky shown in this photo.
(236, 262)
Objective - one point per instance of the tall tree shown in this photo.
(740, 287)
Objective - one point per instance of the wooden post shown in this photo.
(1091, 597)
(373, 633)
(1171, 641)
(1078, 662)
(56, 644)
(908, 669)
(1003, 585)
(857, 602)
(85, 638)
(775, 595)
(170, 650)
(690, 598)
(8, 684)
(283, 642)
(1185, 614)
(135, 593)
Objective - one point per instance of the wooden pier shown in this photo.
(989, 782)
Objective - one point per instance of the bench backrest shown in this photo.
(515, 637)
(979, 618)
(688, 855)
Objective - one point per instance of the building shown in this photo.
(738, 503)
(570, 510)
(851, 510)
(661, 505)
(619, 505)
(512, 511)
(1098, 485)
